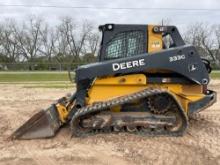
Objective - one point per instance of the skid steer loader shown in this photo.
(147, 81)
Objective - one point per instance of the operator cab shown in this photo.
(121, 41)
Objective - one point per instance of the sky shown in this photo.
(180, 18)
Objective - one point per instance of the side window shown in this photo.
(125, 44)
(167, 41)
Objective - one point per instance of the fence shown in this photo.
(38, 66)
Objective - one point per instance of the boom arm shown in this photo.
(183, 60)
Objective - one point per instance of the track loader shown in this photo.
(147, 81)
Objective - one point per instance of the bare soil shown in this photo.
(200, 145)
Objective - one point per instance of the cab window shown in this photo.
(125, 44)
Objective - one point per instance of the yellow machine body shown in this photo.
(111, 87)
(155, 42)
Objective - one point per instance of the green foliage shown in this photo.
(4, 59)
(88, 58)
(215, 66)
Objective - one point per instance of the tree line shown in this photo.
(37, 42)
(206, 39)
(69, 42)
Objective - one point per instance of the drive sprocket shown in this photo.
(159, 104)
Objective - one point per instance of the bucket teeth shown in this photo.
(43, 124)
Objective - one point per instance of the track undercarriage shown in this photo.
(159, 120)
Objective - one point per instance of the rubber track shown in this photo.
(103, 106)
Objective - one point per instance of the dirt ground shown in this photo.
(200, 145)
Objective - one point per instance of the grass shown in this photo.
(37, 79)
(33, 76)
(215, 74)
